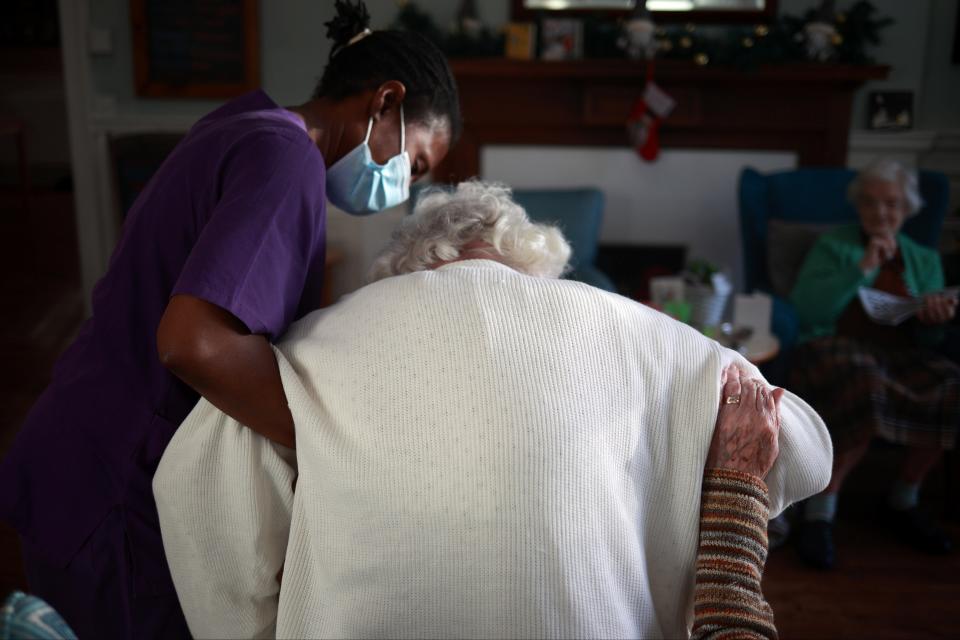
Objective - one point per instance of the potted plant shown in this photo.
(707, 290)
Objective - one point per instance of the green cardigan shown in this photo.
(831, 275)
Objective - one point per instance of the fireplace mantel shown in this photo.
(802, 107)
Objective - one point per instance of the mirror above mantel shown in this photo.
(696, 11)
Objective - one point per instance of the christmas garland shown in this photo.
(468, 38)
(787, 39)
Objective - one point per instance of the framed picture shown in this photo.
(204, 49)
(890, 110)
(561, 39)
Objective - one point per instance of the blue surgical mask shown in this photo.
(358, 185)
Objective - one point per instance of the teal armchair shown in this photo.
(783, 213)
(579, 213)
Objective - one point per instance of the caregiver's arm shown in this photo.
(213, 352)
(728, 600)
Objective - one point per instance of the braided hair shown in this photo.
(359, 64)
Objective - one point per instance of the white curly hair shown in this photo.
(447, 223)
(886, 170)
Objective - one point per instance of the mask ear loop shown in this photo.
(369, 129)
(403, 131)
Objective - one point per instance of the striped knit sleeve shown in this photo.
(728, 601)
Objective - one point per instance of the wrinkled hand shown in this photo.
(746, 435)
(879, 250)
(937, 309)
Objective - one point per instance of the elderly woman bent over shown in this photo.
(485, 450)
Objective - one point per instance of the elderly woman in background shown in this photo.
(484, 450)
(868, 379)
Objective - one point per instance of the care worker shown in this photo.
(221, 252)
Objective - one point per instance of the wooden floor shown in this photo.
(880, 589)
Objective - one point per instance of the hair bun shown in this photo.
(351, 19)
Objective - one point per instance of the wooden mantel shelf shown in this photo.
(799, 107)
(614, 68)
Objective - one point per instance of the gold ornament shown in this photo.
(666, 45)
(747, 42)
(686, 42)
(841, 18)
(761, 30)
(701, 59)
(690, 27)
(836, 39)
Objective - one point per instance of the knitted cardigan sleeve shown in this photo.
(728, 600)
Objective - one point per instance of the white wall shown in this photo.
(295, 49)
(903, 47)
(685, 198)
(294, 52)
(360, 239)
(940, 100)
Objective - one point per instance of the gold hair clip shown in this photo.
(360, 36)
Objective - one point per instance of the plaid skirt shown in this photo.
(908, 396)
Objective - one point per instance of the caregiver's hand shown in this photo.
(748, 425)
(213, 352)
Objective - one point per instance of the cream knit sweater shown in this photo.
(480, 454)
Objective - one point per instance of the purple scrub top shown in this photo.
(236, 216)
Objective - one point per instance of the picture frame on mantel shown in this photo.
(521, 11)
(207, 49)
(890, 110)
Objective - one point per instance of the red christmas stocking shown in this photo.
(643, 123)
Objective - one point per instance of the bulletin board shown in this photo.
(195, 48)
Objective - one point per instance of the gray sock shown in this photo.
(904, 496)
(821, 507)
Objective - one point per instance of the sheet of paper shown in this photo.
(753, 311)
(886, 308)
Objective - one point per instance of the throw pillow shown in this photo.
(787, 246)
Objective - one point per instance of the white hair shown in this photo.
(444, 222)
(886, 170)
